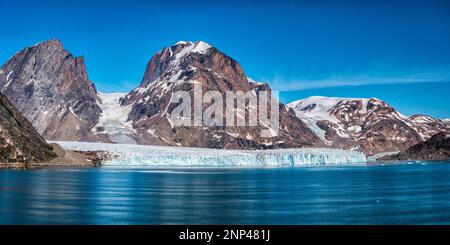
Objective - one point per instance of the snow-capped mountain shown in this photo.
(370, 125)
(178, 68)
(50, 87)
(19, 141)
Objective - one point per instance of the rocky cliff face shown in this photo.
(435, 148)
(368, 125)
(19, 141)
(50, 87)
(181, 67)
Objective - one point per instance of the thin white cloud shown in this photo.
(283, 85)
(123, 86)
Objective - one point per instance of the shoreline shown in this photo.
(72, 157)
(65, 158)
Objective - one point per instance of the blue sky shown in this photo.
(398, 51)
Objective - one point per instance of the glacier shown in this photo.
(114, 119)
(128, 155)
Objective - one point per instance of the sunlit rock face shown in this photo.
(51, 88)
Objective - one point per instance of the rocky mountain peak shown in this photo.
(51, 88)
(172, 58)
(186, 61)
(183, 66)
(195, 46)
(54, 42)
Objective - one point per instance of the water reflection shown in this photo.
(402, 194)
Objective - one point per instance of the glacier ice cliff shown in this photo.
(145, 155)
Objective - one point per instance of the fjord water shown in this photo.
(398, 194)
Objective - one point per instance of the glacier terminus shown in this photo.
(129, 155)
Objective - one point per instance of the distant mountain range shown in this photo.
(51, 88)
(368, 125)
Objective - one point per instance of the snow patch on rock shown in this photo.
(197, 47)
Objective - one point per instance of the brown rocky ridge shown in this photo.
(19, 141)
(51, 88)
(435, 148)
(369, 125)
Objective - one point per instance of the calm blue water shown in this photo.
(401, 194)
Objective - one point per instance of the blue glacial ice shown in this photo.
(144, 155)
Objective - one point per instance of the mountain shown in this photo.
(369, 125)
(51, 88)
(435, 148)
(179, 68)
(19, 141)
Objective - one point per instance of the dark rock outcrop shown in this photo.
(20, 143)
(435, 148)
(50, 87)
